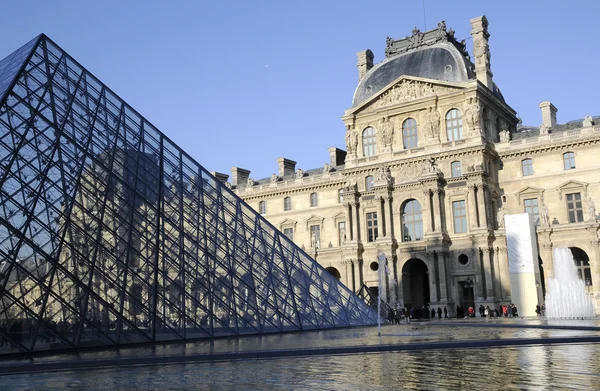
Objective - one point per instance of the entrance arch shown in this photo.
(334, 272)
(582, 263)
(415, 283)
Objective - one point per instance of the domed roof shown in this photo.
(434, 54)
(439, 62)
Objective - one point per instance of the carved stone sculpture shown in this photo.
(545, 215)
(432, 123)
(504, 136)
(473, 113)
(274, 178)
(351, 139)
(343, 234)
(314, 242)
(408, 90)
(591, 208)
(299, 173)
(588, 121)
(326, 168)
(500, 217)
(250, 182)
(383, 174)
(386, 131)
(430, 166)
(544, 129)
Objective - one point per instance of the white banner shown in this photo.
(521, 242)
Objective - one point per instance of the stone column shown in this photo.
(432, 277)
(481, 205)
(487, 269)
(349, 280)
(382, 227)
(349, 228)
(478, 286)
(502, 256)
(355, 225)
(496, 276)
(442, 256)
(356, 267)
(389, 232)
(471, 207)
(428, 211)
(595, 267)
(547, 261)
(437, 214)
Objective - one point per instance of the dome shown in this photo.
(441, 61)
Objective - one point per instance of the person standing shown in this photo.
(439, 312)
(445, 313)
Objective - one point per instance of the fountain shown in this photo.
(566, 297)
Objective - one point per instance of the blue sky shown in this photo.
(241, 83)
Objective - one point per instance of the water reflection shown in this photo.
(530, 368)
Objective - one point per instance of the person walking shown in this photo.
(445, 313)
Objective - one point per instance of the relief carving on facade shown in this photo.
(408, 90)
(385, 131)
(473, 114)
(384, 175)
(410, 171)
(432, 123)
(351, 139)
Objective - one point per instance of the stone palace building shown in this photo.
(435, 158)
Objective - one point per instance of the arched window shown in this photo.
(527, 167)
(314, 199)
(369, 183)
(569, 160)
(456, 170)
(262, 207)
(412, 221)
(582, 263)
(287, 203)
(369, 142)
(409, 133)
(454, 127)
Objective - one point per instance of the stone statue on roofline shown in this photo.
(588, 121)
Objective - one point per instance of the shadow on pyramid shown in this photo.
(111, 234)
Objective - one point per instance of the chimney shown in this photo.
(337, 156)
(220, 176)
(365, 62)
(548, 114)
(481, 50)
(286, 166)
(239, 176)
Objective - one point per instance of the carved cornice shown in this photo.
(521, 149)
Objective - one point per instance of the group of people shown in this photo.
(398, 313)
(506, 311)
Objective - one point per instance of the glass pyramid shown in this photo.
(111, 234)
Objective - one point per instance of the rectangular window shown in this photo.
(314, 199)
(531, 207)
(371, 226)
(456, 171)
(574, 208)
(315, 236)
(341, 196)
(369, 183)
(262, 207)
(287, 203)
(460, 216)
(289, 232)
(569, 160)
(342, 232)
(527, 167)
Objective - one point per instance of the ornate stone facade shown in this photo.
(436, 208)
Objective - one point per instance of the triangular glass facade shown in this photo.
(111, 234)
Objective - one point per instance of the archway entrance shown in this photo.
(415, 284)
(334, 272)
(582, 263)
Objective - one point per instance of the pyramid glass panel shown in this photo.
(111, 234)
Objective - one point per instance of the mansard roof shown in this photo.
(534, 131)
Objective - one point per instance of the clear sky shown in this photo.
(241, 83)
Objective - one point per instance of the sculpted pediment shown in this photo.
(530, 190)
(406, 89)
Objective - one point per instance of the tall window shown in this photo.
(412, 221)
(314, 199)
(459, 211)
(262, 207)
(342, 232)
(371, 226)
(569, 160)
(574, 208)
(369, 142)
(582, 263)
(287, 203)
(289, 232)
(409, 133)
(454, 127)
(531, 207)
(527, 167)
(369, 183)
(341, 196)
(315, 236)
(456, 171)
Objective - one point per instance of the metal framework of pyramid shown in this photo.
(111, 234)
